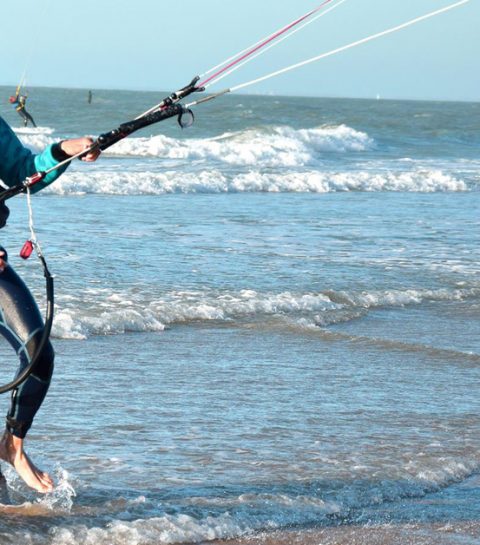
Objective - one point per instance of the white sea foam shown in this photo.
(32, 131)
(327, 182)
(215, 181)
(61, 498)
(278, 146)
(252, 512)
(449, 470)
(153, 531)
(36, 141)
(77, 319)
(69, 325)
(297, 154)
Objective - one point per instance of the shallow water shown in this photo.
(267, 323)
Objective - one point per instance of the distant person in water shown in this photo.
(18, 102)
(90, 95)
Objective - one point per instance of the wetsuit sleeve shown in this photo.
(17, 162)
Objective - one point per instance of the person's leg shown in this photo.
(21, 113)
(21, 324)
(30, 118)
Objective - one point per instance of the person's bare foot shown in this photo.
(11, 450)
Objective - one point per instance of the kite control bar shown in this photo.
(107, 139)
(184, 116)
(168, 107)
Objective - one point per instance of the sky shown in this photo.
(160, 45)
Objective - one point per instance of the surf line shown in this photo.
(170, 107)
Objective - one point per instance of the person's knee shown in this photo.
(45, 363)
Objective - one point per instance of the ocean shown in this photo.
(267, 325)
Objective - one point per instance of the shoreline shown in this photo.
(375, 534)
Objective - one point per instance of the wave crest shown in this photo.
(215, 181)
(277, 146)
(80, 318)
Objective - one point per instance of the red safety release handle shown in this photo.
(37, 177)
(26, 250)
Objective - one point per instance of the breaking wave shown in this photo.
(277, 159)
(96, 312)
(216, 181)
(276, 146)
(36, 138)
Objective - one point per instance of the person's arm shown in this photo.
(18, 162)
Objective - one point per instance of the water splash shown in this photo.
(61, 498)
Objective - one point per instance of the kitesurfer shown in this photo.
(19, 102)
(20, 320)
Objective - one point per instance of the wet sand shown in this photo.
(382, 534)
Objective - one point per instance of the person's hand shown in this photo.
(77, 145)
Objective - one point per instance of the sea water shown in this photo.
(269, 321)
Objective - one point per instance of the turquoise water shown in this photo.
(268, 321)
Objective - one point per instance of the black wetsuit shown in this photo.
(20, 320)
(21, 324)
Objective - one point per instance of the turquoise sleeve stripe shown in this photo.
(43, 162)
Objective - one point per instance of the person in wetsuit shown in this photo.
(19, 102)
(20, 320)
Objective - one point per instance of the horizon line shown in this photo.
(378, 97)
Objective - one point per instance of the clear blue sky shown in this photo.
(159, 45)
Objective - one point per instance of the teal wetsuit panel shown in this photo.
(17, 162)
